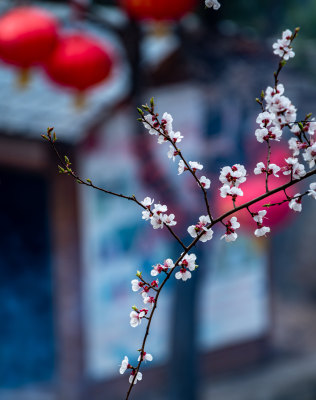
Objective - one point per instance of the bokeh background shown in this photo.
(244, 327)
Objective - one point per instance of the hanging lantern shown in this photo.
(79, 62)
(157, 10)
(27, 36)
(255, 186)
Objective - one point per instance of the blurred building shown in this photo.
(243, 327)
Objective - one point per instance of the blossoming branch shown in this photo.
(276, 116)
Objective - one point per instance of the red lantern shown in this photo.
(79, 62)
(27, 36)
(276, 215)
(157, 10)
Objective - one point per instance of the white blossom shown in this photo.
(298, 171)
(181, 167)
(147, 202)
(157, 221)
(296, 129)
(159, 209)
(212, 4)
(172, 153)
(155, 271)
(291, 161)
(207, 235)
(166, 121)
(139, 377)
(258, 217)
(148, 299)
(176, 137)
(168, 263)
(289, 113)
(146, 357)
(265, 119)
(146, 215)
(230, 191)
(124, 365)
(136, 285)
(295, 204)
(136, 317)
(294, 146)
(183, 274)
(310, 155)
(188, 261)
(161, 139)
(310, 127)
(205, 182)
(287, 35)
(195, 165)
(231, 237)
(150, 122)
(169, 220)
(234, 175)
(260, 168)
(312, 190)
(275, 133)
(262, 134)
(262, 231)
(274, 169)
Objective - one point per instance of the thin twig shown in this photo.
(263, 196)
(288, 199)
(268, 164)
(89, 183)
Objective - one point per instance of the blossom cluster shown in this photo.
(126, 365)
(200, 227)
(157, 216)
(164, 131)
(271, 169)
(231, 178)
(283, 46)
(187, 265)
(231, 226)
(258, 218)
(277, 114)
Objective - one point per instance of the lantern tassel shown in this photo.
(161, 28)
(23, 78)
(80, 100)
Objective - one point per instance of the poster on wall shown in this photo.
(234, 294)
